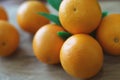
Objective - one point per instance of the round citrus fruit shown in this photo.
(80, 16)
(9, 38)
(81, 56)
(3, 14)
(27, 16)
(108, 34)
(47, 44)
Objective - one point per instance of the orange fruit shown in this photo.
(47, 44)
(27, 16)
(80, 16)
(108, 34)
(3, 14)
(9, 38)
(81, 56)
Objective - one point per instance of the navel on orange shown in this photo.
(27, 16)
(80, 16)
(9, 38)
(108, 34)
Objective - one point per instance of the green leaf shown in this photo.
(51, 17)
(105, 13)
(64, 35)
(55, 3)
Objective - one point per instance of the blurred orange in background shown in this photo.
(3, 14)
(27, 16)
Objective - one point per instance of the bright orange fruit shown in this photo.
(47, 44)
(80, 16)
(9, 38)
(108, 34)
(27, 16)
(81, 56)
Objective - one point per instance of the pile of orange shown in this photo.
(81, 55)
(28, 20)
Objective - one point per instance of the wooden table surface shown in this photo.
(24, 66)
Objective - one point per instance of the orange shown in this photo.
(81, 56)
(47, 44)
(108, 34)
(80, 16)
(9, 38)
(27, 16)
(3, 14)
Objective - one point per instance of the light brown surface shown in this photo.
(24, 66)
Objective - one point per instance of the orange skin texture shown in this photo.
(81, 56)
(80, 16)
(108, 34)
(27, 16)
(3, 14)
(47, 44)
(9, 38)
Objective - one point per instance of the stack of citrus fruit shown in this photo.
(81, 55)
(68, 41)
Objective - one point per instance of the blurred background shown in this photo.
(26, 67)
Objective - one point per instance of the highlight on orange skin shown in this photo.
(47, 44)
